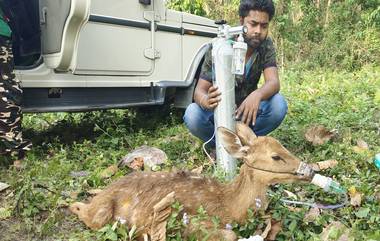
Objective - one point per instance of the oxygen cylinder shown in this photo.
(222, 54)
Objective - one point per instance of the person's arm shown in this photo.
(206, 95)
(247, 111)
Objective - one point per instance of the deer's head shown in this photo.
(263, 155)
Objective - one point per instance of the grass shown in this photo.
(34, 207)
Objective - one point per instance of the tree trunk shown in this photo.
(327, 13)
(282, 56)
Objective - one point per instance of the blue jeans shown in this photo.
(271, 112)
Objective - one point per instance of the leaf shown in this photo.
(333, 231)
(294, 209)
(318, 135)
(79, 173)
(5, 213)
(290, 194)
(18, 164)
(267, 229)
(276, 228)
(323, 165)
(150, 156)
(356, 199)
(3, 186)
(197, 170)
(361, 146)
(161, 212)
(109, 171)
(293, 225)
(312, 215)
(362, 213)
(137, 163)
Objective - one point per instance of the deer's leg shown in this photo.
(161, 212)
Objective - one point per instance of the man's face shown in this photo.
(257, 23)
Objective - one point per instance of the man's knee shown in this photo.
(193, 116)
(279, 107)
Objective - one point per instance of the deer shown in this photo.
(138, 197)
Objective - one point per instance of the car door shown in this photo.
(60, 23)
(117, 39)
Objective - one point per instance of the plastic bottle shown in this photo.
(377, 161)
(327, 184)
(240, 50)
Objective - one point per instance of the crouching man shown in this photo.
(262, 109)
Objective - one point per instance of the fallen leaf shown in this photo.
(109, 171)
(362, 213)
(79, 173)
(333, 231)
(62, 204)
(318, 135)
(290, 194)
(197, 170)
(267, 229)
(323, 165)
(18, 164)
(352, 190)
(5, 213)
(276, 228)
(136, 164)
(312, 215)
(356, 199)
(151, 156)
(377, 196)
(362, 144)
(94, 191)
(294, 209)
(161, 212)
(3, 186)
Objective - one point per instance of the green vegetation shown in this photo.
(309, 34)
(34, 207)
(329, 52)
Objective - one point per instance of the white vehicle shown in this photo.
(74, 55)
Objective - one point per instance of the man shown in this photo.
(11, 140)
(262, 109)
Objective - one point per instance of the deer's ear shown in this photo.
(246, 135)
(232, 143)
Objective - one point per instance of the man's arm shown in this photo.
(271, 85)
(206, 95)
(249, 107)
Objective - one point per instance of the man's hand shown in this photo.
(247, 111)
(211, 100)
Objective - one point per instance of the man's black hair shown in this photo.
(260, 5)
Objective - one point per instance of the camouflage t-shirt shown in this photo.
(263, 57)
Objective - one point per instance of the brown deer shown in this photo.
(136, 197)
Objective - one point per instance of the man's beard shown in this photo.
(252, 42)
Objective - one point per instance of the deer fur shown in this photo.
(133, 197)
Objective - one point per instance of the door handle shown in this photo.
(145, 2)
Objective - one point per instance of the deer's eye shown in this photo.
(276, 158)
